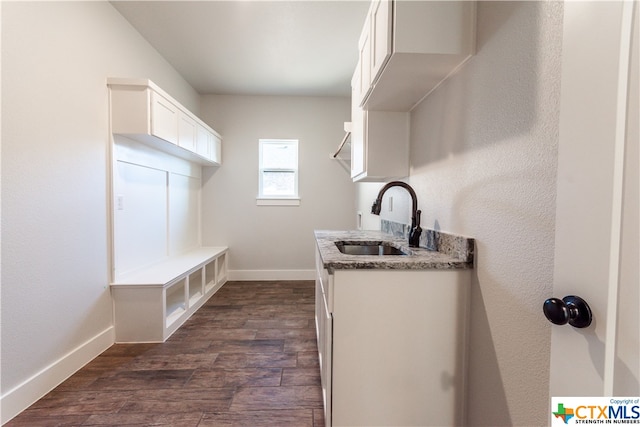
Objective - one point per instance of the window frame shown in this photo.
(276, 199)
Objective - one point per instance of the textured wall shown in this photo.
(483, 163)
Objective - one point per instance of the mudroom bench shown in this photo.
(151, 303)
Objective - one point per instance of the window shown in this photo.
(278, 172)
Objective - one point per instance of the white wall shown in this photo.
(483, 164)
(275, 242)
(56, 307)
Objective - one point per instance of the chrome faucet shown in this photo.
(414, 233)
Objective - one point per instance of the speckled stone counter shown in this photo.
(455, 252)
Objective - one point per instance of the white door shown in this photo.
(597, 232)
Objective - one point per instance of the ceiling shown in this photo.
(261, 47)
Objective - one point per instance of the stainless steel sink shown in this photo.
(368, 248)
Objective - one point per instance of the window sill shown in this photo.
(275, 201)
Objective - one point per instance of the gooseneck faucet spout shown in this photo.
(414, 233)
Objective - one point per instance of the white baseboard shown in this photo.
(254, 275)
(24, 395)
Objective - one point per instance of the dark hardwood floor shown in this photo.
(248, 357)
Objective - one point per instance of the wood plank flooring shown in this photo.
(248, 357)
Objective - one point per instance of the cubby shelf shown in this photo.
(150, 304)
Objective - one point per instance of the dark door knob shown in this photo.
(570, 309)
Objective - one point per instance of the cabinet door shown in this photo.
(208, 145)
(326, 373)
(186, 132)
(381, 36)
(216, 149)
(364, 47)
(164, 118)
(324, 334)
(203, 145)
(357, 129)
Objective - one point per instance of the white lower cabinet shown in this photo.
(392, 346)
(324, 333)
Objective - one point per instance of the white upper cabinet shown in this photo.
(380, 27)
(208, 144)
(357, 128)
(379, 142)
(408, 47)
(187, 132)
(363, 69)
(142, 111)
(164, 118)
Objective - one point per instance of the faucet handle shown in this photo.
(376, 207)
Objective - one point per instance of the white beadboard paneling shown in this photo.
(184, 213)
(141, 224)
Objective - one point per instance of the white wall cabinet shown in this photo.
(408, 47)
(140, 110)
(379, 141)
(208, 144)
(392, 345)
(151, 304)
(187, 132)
(362, 74)
(163, 117)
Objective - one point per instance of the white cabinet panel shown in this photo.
(186, 132)
(184, 209)
(364, 62)
(216, 154)
(381, 27)
(357, 128)
(140, 216)
(209, 145)
(203, 145)
(164, 118)
(379, 142)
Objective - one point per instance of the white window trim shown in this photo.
(275, 200)
(280, 201)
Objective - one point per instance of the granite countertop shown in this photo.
(453, 253)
